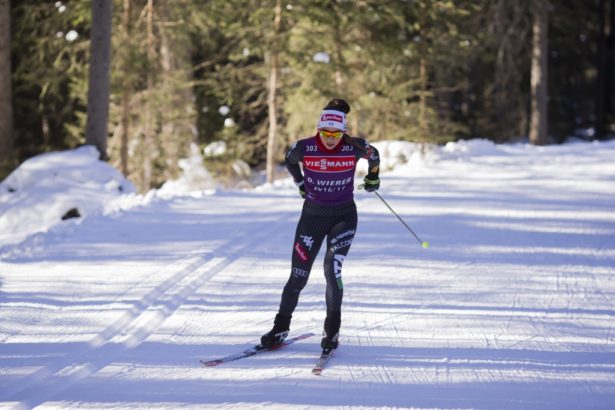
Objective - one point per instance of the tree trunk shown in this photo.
(125, 94)
(338, 63)
(603, 79)
(610, 83)
(423, 96)
(6, 106)
(271, 98)
(99, 77)
(175, 135)
(539, 75)
(148, 139)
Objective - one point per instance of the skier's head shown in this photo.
(332, 122)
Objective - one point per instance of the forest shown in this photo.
(146, 80)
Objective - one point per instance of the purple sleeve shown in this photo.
(373, 162)
(293, 157)
(372, 155)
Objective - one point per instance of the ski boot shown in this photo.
(276, 336)
(329, 343)
(331, 332)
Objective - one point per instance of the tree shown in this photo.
(539, 112)
(387, 58)
(50, 79)
(492, 101)
(148, 147)
(238, 56)
(99, 76)
(174, 88)
(192, 70)
(271, 97)
(126, 91)
(152, 107)
(604, 79)
(6, 107)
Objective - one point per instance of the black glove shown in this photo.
(301, 187)
(372, 183)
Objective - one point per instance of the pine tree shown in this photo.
(6, 107)
(274, 69)
(99, 87)
(152, 108)
(50, 80)
(539, 77)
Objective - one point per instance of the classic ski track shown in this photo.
(135, 325)
(110, 331)
(117, 299)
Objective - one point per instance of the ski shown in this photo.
(322, 361)
(253, 351)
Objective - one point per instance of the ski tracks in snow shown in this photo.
(137, 323)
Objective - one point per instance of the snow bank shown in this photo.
(195, 177)
(475, 147)
(392, 155)
(52, 186)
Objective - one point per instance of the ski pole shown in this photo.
(424, 244)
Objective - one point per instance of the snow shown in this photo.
(43, 189)
(215, 149)
(195, 177)
(511, 307)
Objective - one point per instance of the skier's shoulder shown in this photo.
(362, 141)
(297, 150)
(365, 149)
(300, 144)
(308, 140)
(355, 141)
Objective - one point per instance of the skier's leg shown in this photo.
(308, 239)
(309, 236)
(339, 240)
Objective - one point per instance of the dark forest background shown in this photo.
(255, 74)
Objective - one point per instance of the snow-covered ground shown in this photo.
(512, 306)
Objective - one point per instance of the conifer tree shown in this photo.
(539, 75)
(99, 78)
(6, 107)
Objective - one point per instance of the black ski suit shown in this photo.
(329, 212)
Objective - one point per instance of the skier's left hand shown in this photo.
(372, 183)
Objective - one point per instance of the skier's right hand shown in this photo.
(301, 187)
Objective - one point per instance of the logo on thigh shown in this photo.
(307, 240)
(338, 260)
(301, 253)
(302, 273)
(343, 235)
(341, 245)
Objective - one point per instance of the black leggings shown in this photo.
(338, 224)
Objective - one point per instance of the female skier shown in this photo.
(329, 161)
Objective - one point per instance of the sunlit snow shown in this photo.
(512, 306)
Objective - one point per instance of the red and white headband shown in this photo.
(332, 119)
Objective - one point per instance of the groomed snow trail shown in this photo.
(512, 306)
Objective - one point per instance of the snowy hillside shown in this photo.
(512, 306)
(46, 188)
